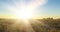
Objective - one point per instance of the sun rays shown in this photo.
(23, 11)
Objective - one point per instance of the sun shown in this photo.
(24, 14)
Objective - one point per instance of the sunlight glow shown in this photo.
(24, 9)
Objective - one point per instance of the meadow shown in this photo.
(38, 25)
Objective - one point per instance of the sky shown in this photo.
(50, 8)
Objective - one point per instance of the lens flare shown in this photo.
(24, 9)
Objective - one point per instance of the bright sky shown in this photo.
(44, 8)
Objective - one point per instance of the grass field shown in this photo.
(32, 25)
